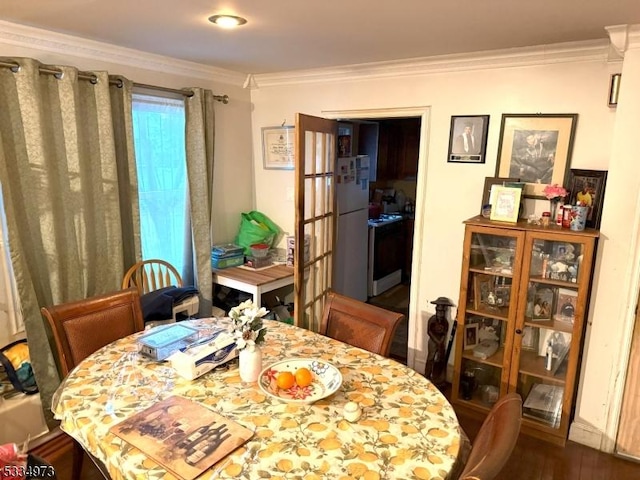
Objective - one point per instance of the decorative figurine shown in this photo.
(437, 328)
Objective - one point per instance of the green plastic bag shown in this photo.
(255, 227)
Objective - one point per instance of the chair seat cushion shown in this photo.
(158, 305)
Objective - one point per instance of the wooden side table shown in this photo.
(255, 282)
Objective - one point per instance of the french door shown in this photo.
(315, 219)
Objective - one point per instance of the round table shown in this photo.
(407, 430)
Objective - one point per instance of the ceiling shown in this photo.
(283, 35)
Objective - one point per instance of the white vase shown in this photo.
(250, 363)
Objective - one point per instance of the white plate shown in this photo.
(326, 380)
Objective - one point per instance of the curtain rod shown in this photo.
(14, 67)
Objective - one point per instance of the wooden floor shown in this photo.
(535, 459)
(532, 459)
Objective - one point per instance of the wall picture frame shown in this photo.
(537, 149)
(588, 186)
(278, 147)
(468, 139)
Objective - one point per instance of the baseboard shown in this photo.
(585, 435)
(52, 445)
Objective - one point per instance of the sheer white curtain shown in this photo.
(11, 320)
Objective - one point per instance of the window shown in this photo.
(159, 138)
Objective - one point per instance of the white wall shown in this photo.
(233, 169)
(545, 80)
(563, 80)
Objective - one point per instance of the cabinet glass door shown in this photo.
(546, 327)
(491, 297)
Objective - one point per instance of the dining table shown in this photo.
(407, 429)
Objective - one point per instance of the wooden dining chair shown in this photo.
(359, 324)
(153, 274)
(82, 327)
(495, 440)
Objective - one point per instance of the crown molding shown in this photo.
(593, 50)
(48, 41)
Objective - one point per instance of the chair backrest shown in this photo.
(496, 439)
(83, 327)
(359, 324)
(150, 275)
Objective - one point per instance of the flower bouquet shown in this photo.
(555, 193)
(247, 326)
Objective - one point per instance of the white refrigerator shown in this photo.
(352, 235)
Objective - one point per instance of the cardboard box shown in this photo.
(217, 349)
(291, 243)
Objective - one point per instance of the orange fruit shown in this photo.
(285, 380)
(304, 377)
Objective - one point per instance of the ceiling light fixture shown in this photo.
(227, 21)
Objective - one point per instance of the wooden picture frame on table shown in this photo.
(490, 182)
(468, 139)
(537, 149)
(278, 147)
(505, 203)
(588, 186)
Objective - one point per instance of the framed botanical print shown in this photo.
(536, 148)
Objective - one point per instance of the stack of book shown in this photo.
(544, 403)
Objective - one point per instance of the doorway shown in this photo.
(404, 136)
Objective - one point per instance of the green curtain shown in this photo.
(199, 139)
(70, 194)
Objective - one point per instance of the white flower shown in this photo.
(246, 325)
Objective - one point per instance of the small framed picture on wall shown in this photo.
(468, 139)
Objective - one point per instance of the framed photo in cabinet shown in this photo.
(470, 336)
(558, 341)
(542, 304)
(482, 288)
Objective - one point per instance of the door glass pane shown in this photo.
(489, 303)
(552, 293)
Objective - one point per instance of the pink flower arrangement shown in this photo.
(554, 191)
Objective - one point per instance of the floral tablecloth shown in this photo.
(408, 430)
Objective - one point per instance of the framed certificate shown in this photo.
(278, 147)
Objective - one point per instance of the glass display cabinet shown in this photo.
(524, 293)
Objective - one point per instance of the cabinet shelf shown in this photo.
(514, 256)
(555, 283)
(501, 314)
(550, 324)
(495, 273)
(533, 364)
(497, 359)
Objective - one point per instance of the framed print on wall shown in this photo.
(587, 186)
(536, 148)
(278, 147)
(468, 139)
